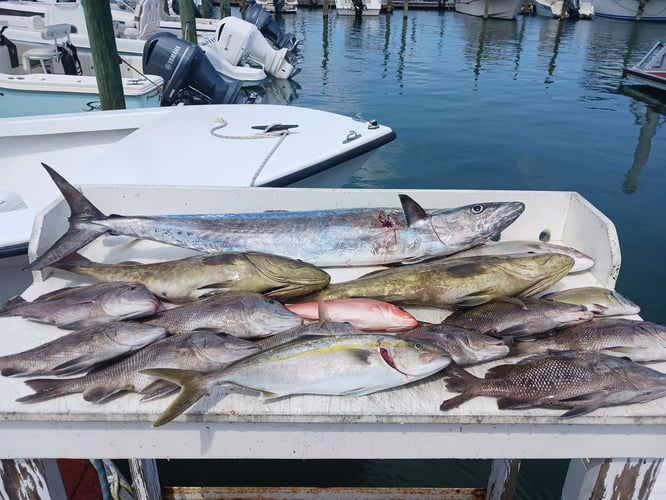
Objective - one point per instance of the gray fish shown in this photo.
(452, 283)
(243, 314)
(642, 341)
(465, 346)
(87, 305)
(361, 236)
(580, 382)
(344, 365)
(582, 262)
(195, 351)
(518, 317)
(79, 351)
(601, 301)
(198, 276)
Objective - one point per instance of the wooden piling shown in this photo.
(225, 9)
(325, 8)
(405, 5)
(104, 54)
(188, 20)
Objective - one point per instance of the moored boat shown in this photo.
(497, 9)
(279, 6)
(212, 145)
(651, 69)
(632, 10)
(48, 80)
(569, 8)
(358, 7)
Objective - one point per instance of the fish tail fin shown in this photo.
(80, 232)
(46, 389)
(194, 385)
(458, 380)
(72, 260)
(11, 304)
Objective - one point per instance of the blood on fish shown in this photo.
(388, 222)
(387, 358)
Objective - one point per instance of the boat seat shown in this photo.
(47, 54)
(148, 15)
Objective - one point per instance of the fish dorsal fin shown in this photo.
(414, 212)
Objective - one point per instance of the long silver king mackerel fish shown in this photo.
(327, 238)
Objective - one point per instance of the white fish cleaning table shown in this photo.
(400, 423)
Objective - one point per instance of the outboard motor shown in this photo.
(240, 42)
(12, 52)
(188, 74)
(263, 20)
(573, 8)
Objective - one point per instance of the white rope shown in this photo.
(282, 134)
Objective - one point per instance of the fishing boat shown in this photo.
(404, 423)
(496, 9)
(252, 54)
(651, 69)
(569, 8)
(358, 7)
(212, 145)
(47, 80)
(632, 10)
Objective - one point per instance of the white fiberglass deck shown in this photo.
(401, 423)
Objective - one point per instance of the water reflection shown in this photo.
(491, 42)
(650, 113)
(277, 90)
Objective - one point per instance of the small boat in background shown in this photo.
(569, 8)
(497, 9)
(632, 10)
(651, 70)
(49, 79)
(279, 6)
(358, 7)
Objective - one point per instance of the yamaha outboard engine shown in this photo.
(241, 42)
(573, 8)
(263, 20)
(188, 74)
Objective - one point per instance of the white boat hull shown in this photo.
(654, 10)
(212, 145)
(651, 70)
(37, 94)
(554, 9)
(497, 9)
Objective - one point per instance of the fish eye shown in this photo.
(417, 345)
(132, 288)
(477, 209)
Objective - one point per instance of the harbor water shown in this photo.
(530, 104)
